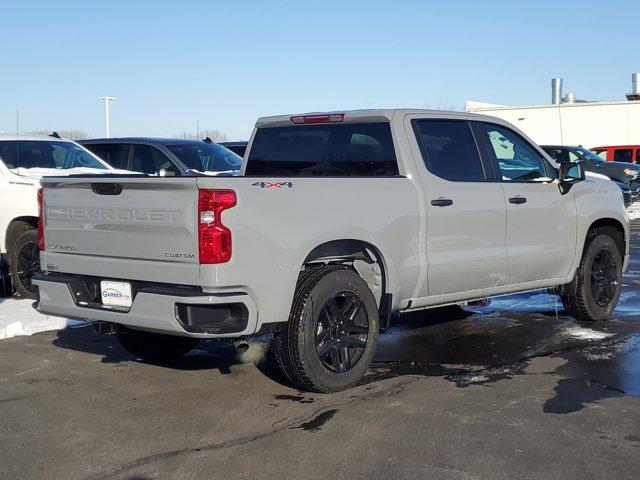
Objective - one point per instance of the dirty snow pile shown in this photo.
(582, 333)
(634, 211)
(18, 317)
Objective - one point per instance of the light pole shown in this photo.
(106, 99)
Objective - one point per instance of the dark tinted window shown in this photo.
(623, 155)
(44, 154)
(150, 160)
(517, 159)
(112, 153)
(237, 149)
(638, 155)
(206, 157)
(449, 150)
(564, 155)
(346, 149)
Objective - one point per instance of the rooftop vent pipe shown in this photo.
(556, 90)
(635, 87)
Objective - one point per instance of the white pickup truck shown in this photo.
(339, 221)
(23, 161)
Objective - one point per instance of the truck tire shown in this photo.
(155, 347)
(332, 331)
(24, 262)
(598, 278)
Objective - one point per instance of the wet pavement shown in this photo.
(514, 389)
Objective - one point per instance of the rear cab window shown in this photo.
(332, 150)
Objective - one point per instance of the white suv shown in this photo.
(23, 161)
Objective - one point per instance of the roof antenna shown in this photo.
(55, 135)
(207, 140)
(17, 136)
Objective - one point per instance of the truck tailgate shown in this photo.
(122, 227)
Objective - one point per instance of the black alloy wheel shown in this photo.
(604, 278)
(342, 332)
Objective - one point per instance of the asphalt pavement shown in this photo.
(514, 389)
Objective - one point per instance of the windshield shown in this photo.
(588, 155)
(206, 157)
(45, 154)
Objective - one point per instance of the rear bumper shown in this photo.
(156, 309)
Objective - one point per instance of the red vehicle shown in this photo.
(619, 153)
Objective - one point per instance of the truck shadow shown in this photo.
(471, 346)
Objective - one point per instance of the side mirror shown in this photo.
(570, 174)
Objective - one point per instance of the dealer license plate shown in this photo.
(117, 294)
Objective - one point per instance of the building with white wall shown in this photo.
(568, 121)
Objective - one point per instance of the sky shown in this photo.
(174, 65)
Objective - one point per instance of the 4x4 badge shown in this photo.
(273, 184)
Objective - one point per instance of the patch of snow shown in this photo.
(18, 317)
(581, 333)
(634, 211)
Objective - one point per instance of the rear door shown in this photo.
(541, 222)
(466, 215)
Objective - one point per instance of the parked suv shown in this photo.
(236, 147)
(170, 157)
(338, 222)
(23, 161)
(619, 153)
(625, 174)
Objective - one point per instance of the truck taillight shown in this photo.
(40, 219)
(214, 239)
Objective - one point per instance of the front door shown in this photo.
(541, 221)
(466, 213)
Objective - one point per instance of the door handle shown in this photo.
(442, 202)
(517, 200)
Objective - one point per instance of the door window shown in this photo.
(112, 153)
(449, 150)
(517, 160)
(623, 155)
(150, 160)
(561, 155)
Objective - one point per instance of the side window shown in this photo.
(560, 155)
(449, 149)
(112, 153)
(150, 160)
(517, 159)
(623, 155)
(638, 156)
(601, 153)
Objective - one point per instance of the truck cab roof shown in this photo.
(374, 114)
